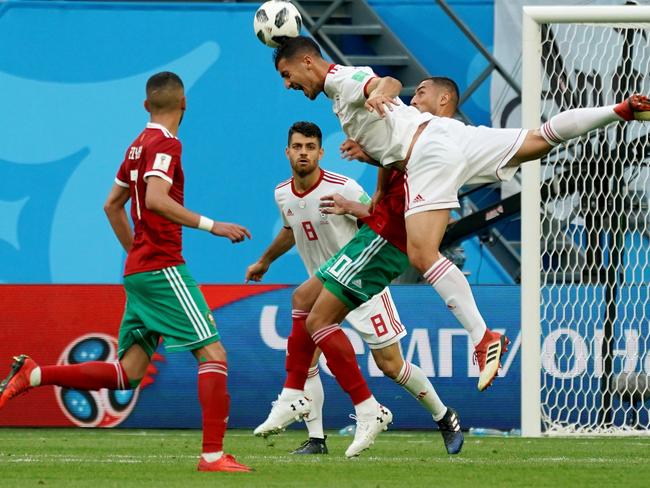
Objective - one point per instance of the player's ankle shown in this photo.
(290, 394)
(35, 377)
(366, 407)
(211, 457)
(624, 110)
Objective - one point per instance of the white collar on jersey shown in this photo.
(165, 130)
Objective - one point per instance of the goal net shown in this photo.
(590, 265)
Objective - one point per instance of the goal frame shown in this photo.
(533, 18)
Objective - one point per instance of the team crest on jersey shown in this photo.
(210, 318)
(359, 76)
(323, 219)
(162, 162)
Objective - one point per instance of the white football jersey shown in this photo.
(385, 140)
(318, 236)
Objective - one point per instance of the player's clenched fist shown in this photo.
(256, 271)
(234, 232)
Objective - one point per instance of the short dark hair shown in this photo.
(448, 84)
(295, 45)
(162, 90)
(307, 129)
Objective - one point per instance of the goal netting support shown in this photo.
(586, 227)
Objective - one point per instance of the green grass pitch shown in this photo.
(167, 458)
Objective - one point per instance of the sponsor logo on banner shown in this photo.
(102, 408)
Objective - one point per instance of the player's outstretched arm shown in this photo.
(116, 213)
(158, 200)
(281, 244)
(381, 94)
(337, 204)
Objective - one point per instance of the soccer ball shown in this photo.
(275, 20)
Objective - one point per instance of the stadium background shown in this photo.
(72, 77)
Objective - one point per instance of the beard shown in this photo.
(303, 171)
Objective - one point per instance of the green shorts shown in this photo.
(362, 268)
(165, 303)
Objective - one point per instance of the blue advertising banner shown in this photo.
(254, 332)
(77, 323)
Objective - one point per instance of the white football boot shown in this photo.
(368, 428)
(283, 414)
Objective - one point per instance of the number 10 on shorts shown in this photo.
(340, 266)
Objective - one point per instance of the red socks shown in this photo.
(300, 350)
(215, 403)
(342, 361)
(337, 349)
(93, 375)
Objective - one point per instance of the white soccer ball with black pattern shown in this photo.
(275, 20)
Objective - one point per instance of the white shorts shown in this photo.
(377, 321)
(449, 154)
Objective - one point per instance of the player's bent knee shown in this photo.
(298, 300)
(422, 260)
(302, 298)
(315, 322)
(534, 147)
(212, 352)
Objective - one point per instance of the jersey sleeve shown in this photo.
(350, 83)
(162, 159)
(122, 178)
(285, 222)
(353, 191)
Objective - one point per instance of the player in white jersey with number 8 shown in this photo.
(319, 236)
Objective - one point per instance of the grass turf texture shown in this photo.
(123, 458)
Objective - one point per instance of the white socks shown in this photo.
(290, 394)
(577, 122)
(453, 288)
(314, 391)
(366, 408)
(212, 456)
(35, 377)
(413, 380)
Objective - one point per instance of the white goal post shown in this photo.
(585, 231)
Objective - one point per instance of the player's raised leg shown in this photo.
(26, 374)
(410, 377)
(379, 324)
(425, 231)
(324, 325)
(577, 122)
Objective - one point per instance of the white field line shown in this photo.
(288, 459)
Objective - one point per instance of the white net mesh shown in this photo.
(596, 237)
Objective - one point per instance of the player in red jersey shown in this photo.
(163, 300)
